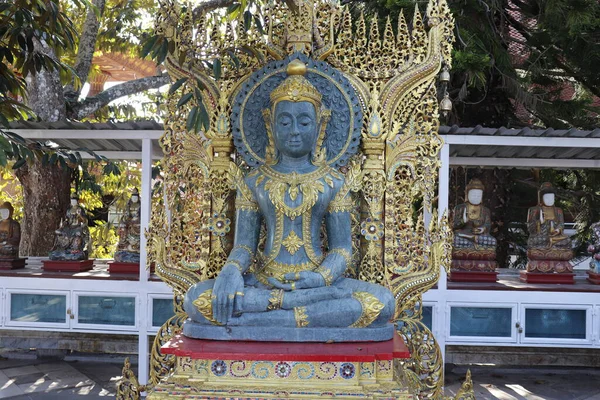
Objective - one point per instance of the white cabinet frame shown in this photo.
(589, 323)
(481, 339)
(105, 327)
(36, 325)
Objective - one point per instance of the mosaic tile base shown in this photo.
(274, 371)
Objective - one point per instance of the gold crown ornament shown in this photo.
(475, 184)
(296, 87)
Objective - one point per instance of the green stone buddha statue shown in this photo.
(297, 291)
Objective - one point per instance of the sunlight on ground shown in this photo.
(498, 393)
(521, 391)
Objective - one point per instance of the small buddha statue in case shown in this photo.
(128, 249)
(73, 235)
(548, 247)
(10, 232)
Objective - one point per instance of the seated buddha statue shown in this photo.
(594, 248)
(73, 236)
(296, 290)
(548, 248)
(472, 221)
(128, 248)
(10, 232)
(546, 223)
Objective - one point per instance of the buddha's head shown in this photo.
(547, 194)
(296, 120)
(135, 196)
(6, 211)
(475, 191)
(74, 199)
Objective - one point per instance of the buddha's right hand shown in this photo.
(228, 285)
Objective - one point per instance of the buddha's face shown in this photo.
(134, 199)
(295, 128)
(474, 196)
(74, 202)
(4, 213)
(548, 199)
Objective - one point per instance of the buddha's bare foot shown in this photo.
(304, 297)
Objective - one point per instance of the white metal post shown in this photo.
(443, 193)
(143, 356)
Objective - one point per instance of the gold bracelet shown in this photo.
(344, 253)
(326, 274)
(244, 247)
(235, 264)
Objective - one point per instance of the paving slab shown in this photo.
(543, 383)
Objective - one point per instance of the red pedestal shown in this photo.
(533, 277)
(67, 266)
(197, 349)
(593, 278)
(473, 276)
(12, 263)
(123, 268)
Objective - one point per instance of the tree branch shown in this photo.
(87, 45)
(92, 104)
(209, 5)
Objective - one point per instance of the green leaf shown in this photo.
(177, 85)
(258, 24)
(148, 46)
(204, 118)
(217, 68)
(5, 144)
(45, 159)
(20, 162)
(3, 158)
(191, 119)
(53, 159)
(184, 99)
(247, 19)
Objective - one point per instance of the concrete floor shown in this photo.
(95, 378)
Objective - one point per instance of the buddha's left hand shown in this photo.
(299, 280)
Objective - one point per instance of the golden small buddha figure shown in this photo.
(73, 235)
(548, 248)
(128, 249)
(546, 222)
(10, 232)
(472, 221)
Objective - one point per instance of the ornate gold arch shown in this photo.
(393, 70)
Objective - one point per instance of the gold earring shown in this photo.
(271, 151)
(320, 153)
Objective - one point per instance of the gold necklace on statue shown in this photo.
(309, 185)
(473, 211)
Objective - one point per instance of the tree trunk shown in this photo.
(46, 198)
(45, 91)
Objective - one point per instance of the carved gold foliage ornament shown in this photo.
(393, 73)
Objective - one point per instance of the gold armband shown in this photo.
(245, 205)
(326, 274)
(344, 204)
(245, 198)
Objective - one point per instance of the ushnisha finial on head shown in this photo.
(296, 87)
